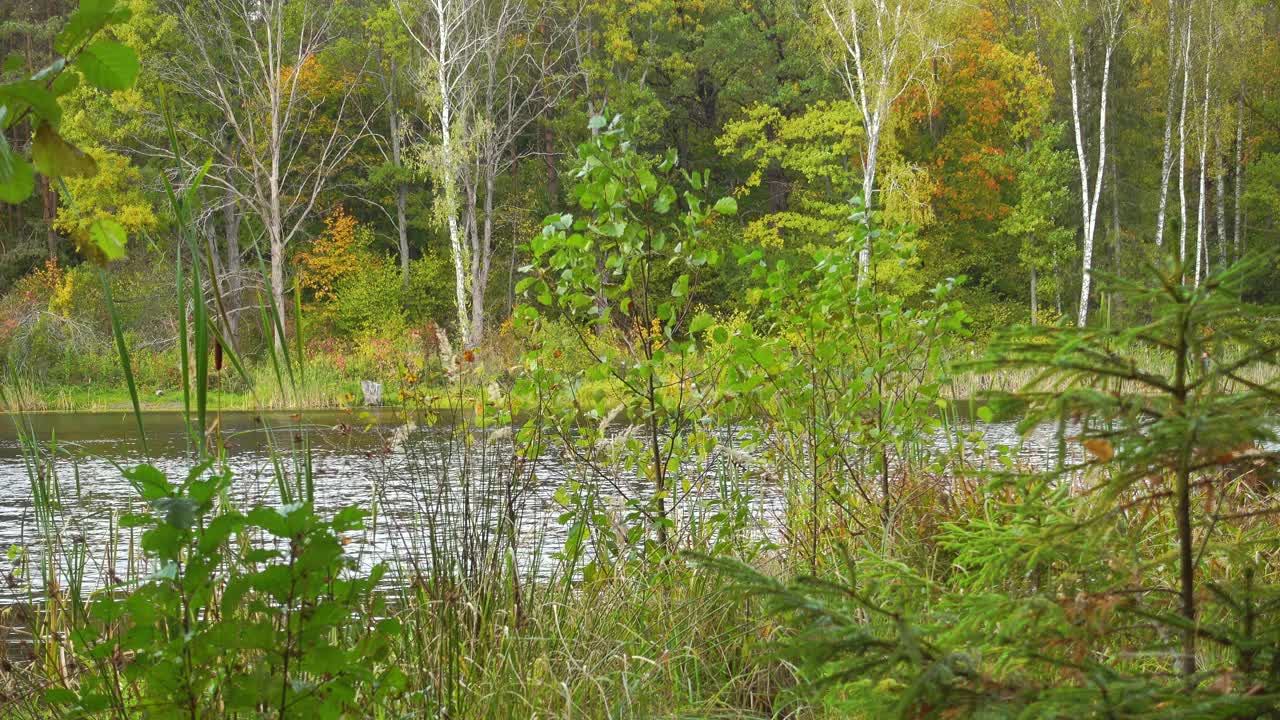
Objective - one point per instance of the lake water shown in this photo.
(422, 483)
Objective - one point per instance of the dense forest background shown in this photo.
(378, 169)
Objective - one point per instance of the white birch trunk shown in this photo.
(1166, 161)
(402, 188)
(456, 250)
(1201, 250)
(1220, 185)
(1182, 145)
(1090, 196)
(1237, 227)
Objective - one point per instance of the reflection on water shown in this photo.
(418, 483)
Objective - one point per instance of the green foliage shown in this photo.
(1057, 593)
(106, 65)
(367, 301)
(627, 270)
(845, 374)
(428, 296)
(244, 613)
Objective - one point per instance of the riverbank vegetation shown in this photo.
(734, 361)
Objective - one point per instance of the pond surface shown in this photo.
(427, 488)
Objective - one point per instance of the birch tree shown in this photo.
(255, 63)
(1083, 19)
(1238, 176)
(1172, 94)
(885, 46)
(1206, 96)
(491, 69)
(1182, 139)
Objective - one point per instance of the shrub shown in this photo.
(429, 295)
(367, 301)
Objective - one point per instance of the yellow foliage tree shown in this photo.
(337, 252)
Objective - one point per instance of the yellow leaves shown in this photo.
(113, 193)
(338, 251)
(305, 76)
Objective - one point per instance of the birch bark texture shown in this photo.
(1206, 94)
(1082, 19)
(1173, 93)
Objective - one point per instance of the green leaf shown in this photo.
(349, 518)
(701, 322)
(13, 62)
(17, 179)
(65, 83)
(54, 157)
(680, 287)
(109, 65)
(29, 93)
(59, 696)
(597, 122)
(109, 237)
(985, 414)
(178, 512)
(727, 206)
(665, 199)
(150, 483)
(131, 520)
(87, 20)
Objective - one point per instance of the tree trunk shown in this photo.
(1237, 227)
(402, 190)
(232, 300)
(1220, 185)
(1182, 145)
(277, 290)
(1035, 309)
(1201, 238)
(1089, 197)
(1182, 489)
(1117, 245)
(868, 190)
(1166, 162)
(450, 176)
(49, 203)
(549, 157)
(481, 255)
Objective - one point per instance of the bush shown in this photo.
(367, 301)
(429, 296)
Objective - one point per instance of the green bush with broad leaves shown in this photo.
(1135, 578)
(844, 372)
(626, 274)
(257, 614)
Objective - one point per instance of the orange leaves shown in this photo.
(336, 252)
(309, 79)
(1100, 448)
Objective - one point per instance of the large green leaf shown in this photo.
(55, 157)
(727, 206)
(17, 179)
(89, 18)
(109, 237)
(28, 93)
(109, 65)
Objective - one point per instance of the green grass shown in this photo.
(342, 393)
